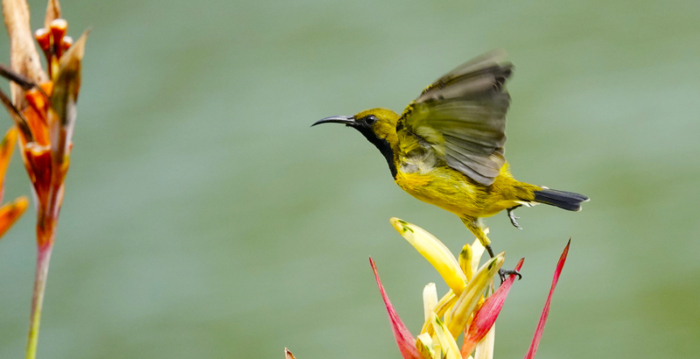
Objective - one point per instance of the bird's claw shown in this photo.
(513, 218)
(503, 273)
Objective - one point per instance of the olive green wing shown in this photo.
(462, 116)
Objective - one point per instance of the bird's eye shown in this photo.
(370, 120)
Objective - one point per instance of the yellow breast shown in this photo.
(442, 187)
(450, 190)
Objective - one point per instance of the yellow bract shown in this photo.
(435, 252)
(466, 303)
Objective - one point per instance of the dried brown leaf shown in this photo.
(24, 59)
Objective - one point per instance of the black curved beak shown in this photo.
(347, 120)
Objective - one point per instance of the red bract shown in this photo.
(545, 312)
(486, 316)
(404, 338)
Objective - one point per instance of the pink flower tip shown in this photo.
(486, 316)
(404, 338)
(545, 312)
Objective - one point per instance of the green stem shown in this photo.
(42, 272)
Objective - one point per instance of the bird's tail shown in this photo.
(569, 201)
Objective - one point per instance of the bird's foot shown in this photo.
(503, 273)
(512, 216)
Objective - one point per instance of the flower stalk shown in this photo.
(42, 272)
(43, 108)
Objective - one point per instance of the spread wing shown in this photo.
(462, 116)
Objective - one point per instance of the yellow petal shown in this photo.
(466, 303)
(445, 304)
(430, 300)
(424, 344)
(484, 349)
(435, 252)
(477, 251)
(465, 261)
(447, 341)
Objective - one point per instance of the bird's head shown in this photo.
(378, 125)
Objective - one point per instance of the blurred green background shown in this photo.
(203, 218)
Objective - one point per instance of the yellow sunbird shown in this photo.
(447, 148)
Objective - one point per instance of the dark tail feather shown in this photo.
(566, 200)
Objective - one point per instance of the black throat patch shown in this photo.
(381, 144)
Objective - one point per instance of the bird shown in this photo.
(447, 147)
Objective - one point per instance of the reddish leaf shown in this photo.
(11, 212)
(545, 312)
(487, 314)
(404, 338)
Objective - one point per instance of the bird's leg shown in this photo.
(488, 249)
(512, 216)
(476, 227)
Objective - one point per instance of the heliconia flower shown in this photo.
(43, 108)
(473, 312)
(10, 212)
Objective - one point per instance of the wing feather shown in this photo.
(464, 115)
